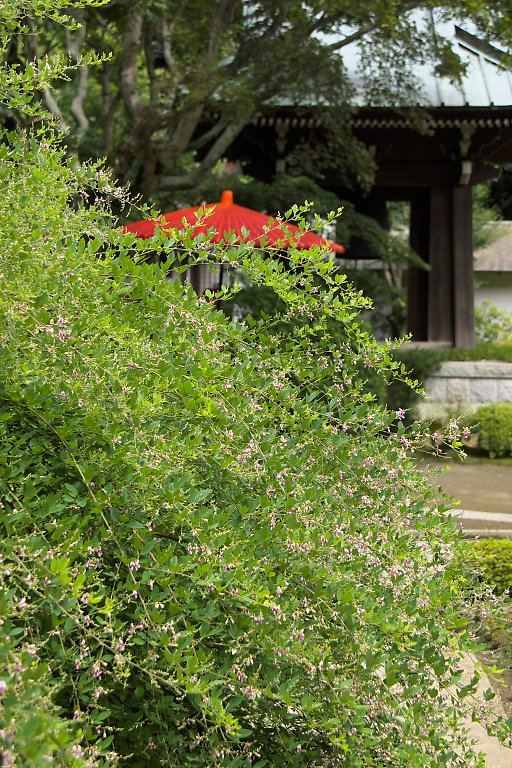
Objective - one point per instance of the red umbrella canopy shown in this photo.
(226, 217)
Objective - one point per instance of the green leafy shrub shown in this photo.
(419, 364)
(204, 538)
(214, 543)
(493, 559)
(262, 304)
(486, 217)
(219, 558)
(494, 429)
(492, 323)
(30, 725)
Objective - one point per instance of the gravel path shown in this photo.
(497, 756)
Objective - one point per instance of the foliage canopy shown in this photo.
(182, 80)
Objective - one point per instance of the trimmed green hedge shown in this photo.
(494, 428)
(492, 350)
(493, 559)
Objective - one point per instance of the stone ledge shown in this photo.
(474, 369)
(461, 386)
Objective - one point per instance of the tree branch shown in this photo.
(184, 131)
(358, 34)
(108, 108)
(74, 43)
(214, 154)
(354, 37)
(166, 44)
(249, 52)
(52, 106)
(130, 50)
(209, 135)
(188, 122)
(150, 65)
(222, 20)
(77, 105)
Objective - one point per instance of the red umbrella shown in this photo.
(225, 218)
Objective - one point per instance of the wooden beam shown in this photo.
(464, 316)
(417, 174)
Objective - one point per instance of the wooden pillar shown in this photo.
(195, 278)
(440, 289)
(464, 316)
(417, 281)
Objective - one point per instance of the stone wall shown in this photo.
(459, 387)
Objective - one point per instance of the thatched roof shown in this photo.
(497, 257)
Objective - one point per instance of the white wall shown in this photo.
(495, 287)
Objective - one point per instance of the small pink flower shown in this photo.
(3, 686)
(400, 413)
(96, 670)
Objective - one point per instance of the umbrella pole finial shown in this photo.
(226, 197)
